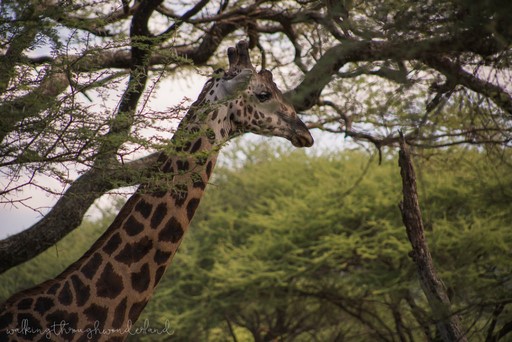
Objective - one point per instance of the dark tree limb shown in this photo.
(307, 93)
(369, 318)
(505, 330)
(61, 220)
(142, 43)
(420, 316)
(447, 323)
(190, 13)
(458, 75)
(122, 58)
(68, 212)
(231, 330)
(492, 324)
(71, 207)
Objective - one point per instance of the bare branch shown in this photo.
(306, 94)
(142, 43)
(32, 103)
(68, 212)
(459, 76)
(190, 13)
(448, 324)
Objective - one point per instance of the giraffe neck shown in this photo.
(109, 286)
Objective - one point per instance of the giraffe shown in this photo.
(99, 296)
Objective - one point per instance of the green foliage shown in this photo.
(287, 247)
(293, 247)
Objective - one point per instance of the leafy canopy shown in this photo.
(290, 246)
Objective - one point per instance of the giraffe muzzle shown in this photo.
(301, 136)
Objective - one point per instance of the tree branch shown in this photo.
(14, 53)
(505, 330)
(189, 14)
(68, 212)
(458, 75)
(141, 46)
(32, 103)
(121, 58)
(307, 93)
(448, 324)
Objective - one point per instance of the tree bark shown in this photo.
(448, 324)
(68, 212)
(216, 29)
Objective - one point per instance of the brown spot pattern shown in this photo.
(65, 296)
(140, 280)
(82, 291)
(112, 244)
(110, 284)
(133, 252)
(191, 207)
(119, 314)
(158, 215)
(43, 304)
(132, 226)
(144, 208)
(173, 231)
(96, 313)
(136, 309)
(90, 268)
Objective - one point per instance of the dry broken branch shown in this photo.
(448, 323)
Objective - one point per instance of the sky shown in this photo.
(17, 217)
(171, 92)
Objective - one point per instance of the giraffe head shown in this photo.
(250, 101)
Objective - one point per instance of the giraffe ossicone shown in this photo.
(100, 295)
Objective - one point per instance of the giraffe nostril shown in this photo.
(309, 141)
(302, 139)
(302, 136)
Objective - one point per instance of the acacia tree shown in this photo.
(437, 69)
(286, 248)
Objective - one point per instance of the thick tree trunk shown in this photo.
(448, 324)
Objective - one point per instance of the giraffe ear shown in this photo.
(239, 82)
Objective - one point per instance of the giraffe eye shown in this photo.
(264, 96)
